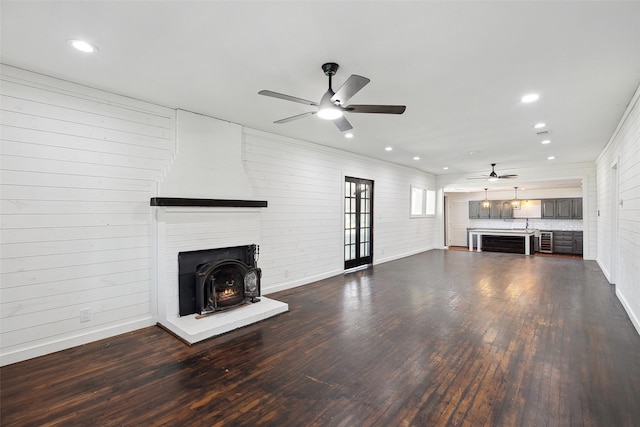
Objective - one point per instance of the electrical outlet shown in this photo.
(85, 315)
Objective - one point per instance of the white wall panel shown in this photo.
(78, 167)
(302, 229)
(619, 208)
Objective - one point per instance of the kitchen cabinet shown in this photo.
(569, 208)
(548, 208)
(496, 207)
(499, 209)
(567, 242)
(578, 242)
(506, 210)
(562, 208)
(476, 211)
(577, 209)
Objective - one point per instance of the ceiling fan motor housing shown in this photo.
(330, 68)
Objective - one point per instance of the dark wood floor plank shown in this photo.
(437, 339)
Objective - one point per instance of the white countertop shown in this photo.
(503, 232)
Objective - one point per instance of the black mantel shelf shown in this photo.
(207, 203)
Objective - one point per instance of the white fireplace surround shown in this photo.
(198, 172)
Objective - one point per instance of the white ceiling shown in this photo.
(459, 67)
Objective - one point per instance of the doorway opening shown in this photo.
(358, 222)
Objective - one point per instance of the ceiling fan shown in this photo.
(493, 176)
(332, 105)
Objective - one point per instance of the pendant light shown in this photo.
(515, 203)
(486, 204)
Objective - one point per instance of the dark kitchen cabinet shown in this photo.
(496, 207)
(564, 208)
(578, 242)
(561, 208)
(567, 242)
(576, 209)
(548, 208)
(501, 209)
(476, 211)
(483, 213)
(506, 210)
(563, 242)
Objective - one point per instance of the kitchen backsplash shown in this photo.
(536, 223)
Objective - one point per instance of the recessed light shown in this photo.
(446, 168)
(539, 125)
(388, 149)
(531, 97)
(416, 158)
(551, 158)
(545, 141)
(83, 46)
(348, 135)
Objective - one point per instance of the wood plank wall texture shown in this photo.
(78, 169)
(623, 151)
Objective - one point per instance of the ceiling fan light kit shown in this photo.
(331, 106)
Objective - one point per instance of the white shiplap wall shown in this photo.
(302, 229)
(78, 168)
(619, 241)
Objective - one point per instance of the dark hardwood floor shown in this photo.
(437, 339)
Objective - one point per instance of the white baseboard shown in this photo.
(604, 270)
(21, 354)
(627, 308)
(294, 284)
(402, 255)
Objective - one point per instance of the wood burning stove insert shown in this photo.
(218, 279)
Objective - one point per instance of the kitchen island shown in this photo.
(515, 240)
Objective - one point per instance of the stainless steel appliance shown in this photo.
(546, 242)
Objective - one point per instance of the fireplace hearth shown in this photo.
(218, 279)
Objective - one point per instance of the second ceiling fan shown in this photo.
(332, 105)
(493, 176)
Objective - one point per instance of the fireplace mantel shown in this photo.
(207, 203)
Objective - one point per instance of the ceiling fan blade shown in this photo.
(380, 109)
(292, 118)
(287, 97)
(512, 176)
(343, 124)
(349, 88)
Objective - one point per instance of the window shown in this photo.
(423, 202)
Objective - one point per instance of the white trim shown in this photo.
(301, 282)
(63, 344)
(634, 320)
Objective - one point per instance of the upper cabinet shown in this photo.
(549, 209)
(500, 209)
(562, 208)
(476, 211)
(577, 209)
(506, 210)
